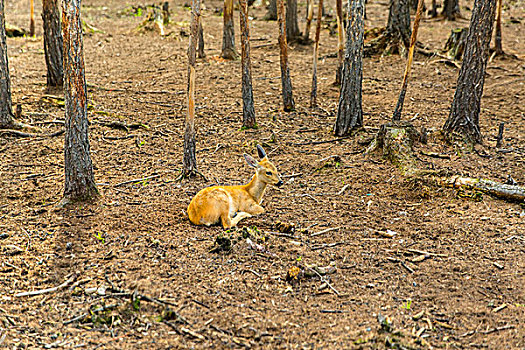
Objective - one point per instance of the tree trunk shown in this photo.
(464, 113)
(271, 15)
(309, 17)
(189, 160)
(413, 5)
(433, 11)
(79, 178)
(340, 41)
(228, 33)
(166, 13)
(53, 44)
(451, 9)
(248, 110)
(498, 47)
(286, 83)
(200, 50)
(292, 26)
(350, 110)
(396, 37)
(32, 18)
(6, 107)
(413, 38)
(313, 95)
(398, 26)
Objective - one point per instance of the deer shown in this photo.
(230, 204)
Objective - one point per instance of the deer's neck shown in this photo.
(256, 189)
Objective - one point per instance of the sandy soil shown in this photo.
(466, 291)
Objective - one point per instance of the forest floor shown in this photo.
(452, 275)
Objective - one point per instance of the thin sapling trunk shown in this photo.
(53, 44)
(413, 39)
(32, 18)
(248, 109)
(6, 105)
(340, 41)
(286, 83)
(292, 25)
(309, 17)
(313, 95)
(189, 160)
(228, 33)
(200, 51)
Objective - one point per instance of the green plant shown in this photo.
(100, 236)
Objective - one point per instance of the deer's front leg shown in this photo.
(240, 215)
(255, 209)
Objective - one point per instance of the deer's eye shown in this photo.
(269, 173)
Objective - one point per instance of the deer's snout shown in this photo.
(280, 183)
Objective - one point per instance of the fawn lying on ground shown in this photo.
(222, 202)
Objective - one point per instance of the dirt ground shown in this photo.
(466, 290)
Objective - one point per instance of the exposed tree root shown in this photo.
(395, 142)
(385, 44)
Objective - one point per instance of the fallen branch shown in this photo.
(136, 180)
(508, 192)
(324, 231)
(325, 281)
(48, 290)
(27, 134)
(319, 142)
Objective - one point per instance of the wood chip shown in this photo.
(499, 308)
(499, 266)
(192, 333)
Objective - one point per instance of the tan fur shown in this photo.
(220, 203)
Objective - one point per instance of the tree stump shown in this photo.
(395, 39)
(395, 142)
(456, 42)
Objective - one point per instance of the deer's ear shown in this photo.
(251, 161)
(261, 152)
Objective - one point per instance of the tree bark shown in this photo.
(271, 15)
(53, 44)
(32, 18)
(248, 110)
(396, 37)
(451, 9)
(292, 26)
(340, 41)
(313, 94)
(6, 105)
(189, 160)
(200, 51)
(498, 47)
(228, 33)
(309, 17)
(413, 38)
(350, 110)
(286, 82)
(433, 11)
(464, 113)
(79, 178)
